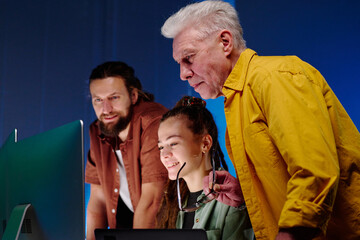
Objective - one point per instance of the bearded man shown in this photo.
(123, 167)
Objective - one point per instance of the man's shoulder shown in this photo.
(276, 63)
(94, 126)
(149, 110)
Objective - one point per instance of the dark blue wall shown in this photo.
(48, 48)
(325, 33)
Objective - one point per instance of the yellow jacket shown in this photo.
(295, 149)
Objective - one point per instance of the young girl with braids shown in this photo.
(189, 149)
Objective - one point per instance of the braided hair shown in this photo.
(200, 121)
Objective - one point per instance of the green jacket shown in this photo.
(221, 221)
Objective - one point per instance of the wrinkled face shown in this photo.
(177, 145)
(112, 104)
(202, 62)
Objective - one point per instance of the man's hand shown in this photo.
(285, 236)
(227, 187)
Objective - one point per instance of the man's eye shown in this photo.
(173, 144)
(188, 58)
(97, 100)
(114, 97)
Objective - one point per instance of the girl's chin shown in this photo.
(172, 173)
(171, 177)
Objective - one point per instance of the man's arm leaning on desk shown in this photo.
(96, 211)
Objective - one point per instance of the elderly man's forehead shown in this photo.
(184, 43)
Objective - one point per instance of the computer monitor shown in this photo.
(47, 172)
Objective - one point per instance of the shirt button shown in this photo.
(116, 190)
(113, 211)
(197, 220)
(117, 170)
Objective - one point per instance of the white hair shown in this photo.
(206, 17)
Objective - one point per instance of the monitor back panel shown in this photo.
(46, 171)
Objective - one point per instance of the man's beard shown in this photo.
(113, 130)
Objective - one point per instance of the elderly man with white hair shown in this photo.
(295, 149)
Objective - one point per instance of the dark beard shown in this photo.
(120, 125)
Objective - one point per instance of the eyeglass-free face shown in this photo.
(204, 63)
(177, 145)
(111, 100)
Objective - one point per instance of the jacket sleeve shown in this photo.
(300, 127)
(152, 170)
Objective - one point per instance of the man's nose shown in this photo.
(185, 72)
(107, 107)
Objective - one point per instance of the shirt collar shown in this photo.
(236, 79)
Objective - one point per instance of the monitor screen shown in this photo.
(46, 171)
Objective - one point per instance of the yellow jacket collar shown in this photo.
(236, 79)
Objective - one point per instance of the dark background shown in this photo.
(48, 49)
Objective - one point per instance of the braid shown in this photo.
(219, 157)
(168, 210)
(200, 121)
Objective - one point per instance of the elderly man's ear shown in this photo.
(226, 39)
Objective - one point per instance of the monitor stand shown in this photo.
(13, 227)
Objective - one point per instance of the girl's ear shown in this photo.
(206, 143)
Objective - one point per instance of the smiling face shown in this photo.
(203, 63)
(112, 104)
(178, 144)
